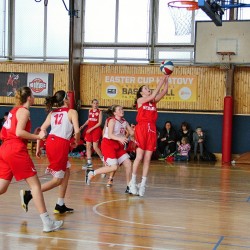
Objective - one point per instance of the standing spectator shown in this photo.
(93, 133)
(198, 140)
(145, 131)
(14, 157)
(167, 140)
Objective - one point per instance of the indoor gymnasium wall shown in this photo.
(210, 92)
(207, 111)
(60, 72)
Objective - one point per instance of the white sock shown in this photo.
(133, 178)
(89, 160)
(45, 217)
(143, 181)
(60, 201)
(94, 173)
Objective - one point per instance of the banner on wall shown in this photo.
(41, 84)
(124, 87)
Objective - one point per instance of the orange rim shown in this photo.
(189, 5)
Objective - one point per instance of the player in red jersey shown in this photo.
(93, 133)
(145, 131)
(14, 157)
(63, 121)
(114, 140)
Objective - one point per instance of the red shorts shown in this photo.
(94, 136)
(15, 161)
(57, 150)
(146, 136)
(113, 152)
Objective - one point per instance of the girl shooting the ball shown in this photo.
(145, 131)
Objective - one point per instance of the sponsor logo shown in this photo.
(37, 85)
(111, 91)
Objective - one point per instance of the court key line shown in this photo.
(126, 221)
(111, 244)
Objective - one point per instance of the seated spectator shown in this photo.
(183, 150)
(185, 131)
(198, 141)
(167, 140)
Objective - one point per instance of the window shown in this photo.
(29, 29)
(113, 31)
(99, 21)
(57, 30)
(3, 29)
(133, 21)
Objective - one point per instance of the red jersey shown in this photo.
(93, 117)
(147, 113)
(9, 127)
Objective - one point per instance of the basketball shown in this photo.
(167, 67)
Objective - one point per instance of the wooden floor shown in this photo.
(186, 206)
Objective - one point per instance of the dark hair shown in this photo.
(56, 100)
(168, 122)
(111, 110)
(138, 95)
(185, 124)
(164, 128)
(22, 95)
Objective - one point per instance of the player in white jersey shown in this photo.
(112, 146)
(63, 122)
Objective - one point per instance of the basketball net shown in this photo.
(182, 12)
(225, 59)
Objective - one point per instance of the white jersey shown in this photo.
(119, 128)
(60, 123)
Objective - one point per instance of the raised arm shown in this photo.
(164, 91)
(154, 93)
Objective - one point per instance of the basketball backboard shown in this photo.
(215, 9)
(213, 42)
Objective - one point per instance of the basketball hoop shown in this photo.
(225, 59)
(182, 12)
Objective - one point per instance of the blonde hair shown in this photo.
(22, 94)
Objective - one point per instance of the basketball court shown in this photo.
(190, 205)
(186, 206)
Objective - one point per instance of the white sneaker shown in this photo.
(87, 166)
(52, 225)
(142, 188)
(89, 176)
(103, 176)
(133, 188)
